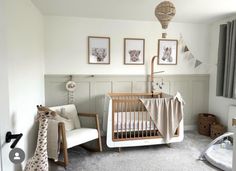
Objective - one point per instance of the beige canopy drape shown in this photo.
(166, 113)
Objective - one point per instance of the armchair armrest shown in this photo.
(95, 115)
(88, 114)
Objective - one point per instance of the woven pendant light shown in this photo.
(164, 12)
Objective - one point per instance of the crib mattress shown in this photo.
(133, 121)
(220, 157)
(134, 126)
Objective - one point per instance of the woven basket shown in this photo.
(217, 130)
(205, 120)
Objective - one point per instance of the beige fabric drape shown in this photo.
(166, 113)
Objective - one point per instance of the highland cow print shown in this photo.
(100, 53)
(134, 55)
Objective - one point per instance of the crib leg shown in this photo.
(169, 145)
(119, 149)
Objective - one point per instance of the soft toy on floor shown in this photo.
(39, 161)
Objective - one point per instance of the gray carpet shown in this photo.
(180, 157)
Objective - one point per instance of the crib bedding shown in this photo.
(133, 121)
(136, 125)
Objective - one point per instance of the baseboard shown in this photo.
(190, 127)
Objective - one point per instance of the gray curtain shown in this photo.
(226, 67)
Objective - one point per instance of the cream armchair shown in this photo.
(72, 134)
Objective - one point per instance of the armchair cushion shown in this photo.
(69, 124)
(80, 136)
(70, 112)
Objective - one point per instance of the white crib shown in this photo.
(129, 124)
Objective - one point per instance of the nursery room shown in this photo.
(127, 85)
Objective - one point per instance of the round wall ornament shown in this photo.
(71, 86)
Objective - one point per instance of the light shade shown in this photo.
(164, 12)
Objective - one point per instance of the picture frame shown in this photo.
(134, 51)
(98, 50)
(167, 52)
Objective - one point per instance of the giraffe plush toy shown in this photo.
(39, 161)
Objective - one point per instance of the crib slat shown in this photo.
(117, 121)
(146, 124)
(113, 119)
(142, 121)
(122, 120)
(138, 116)
(126, 120)
(134, 105)
(130, 120)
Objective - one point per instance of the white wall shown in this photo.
(217, 105)
(66, 45)
(25, 48)
(4, 101)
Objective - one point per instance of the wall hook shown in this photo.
(10, 136)
(71, 77)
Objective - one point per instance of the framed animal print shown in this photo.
(167, 51)
(134, 51)
(98, 50)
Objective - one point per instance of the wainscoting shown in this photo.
(91, 90)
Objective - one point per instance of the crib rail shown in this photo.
(130, 119)
(133, 95)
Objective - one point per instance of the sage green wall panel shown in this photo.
(122, 86)
(91, 90)
(140, 87)
(82, 97)
(101, 89)
(200, 100)
(56, 94)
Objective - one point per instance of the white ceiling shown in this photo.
(191, 11)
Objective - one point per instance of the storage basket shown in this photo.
(205, 120)
(217, 130)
